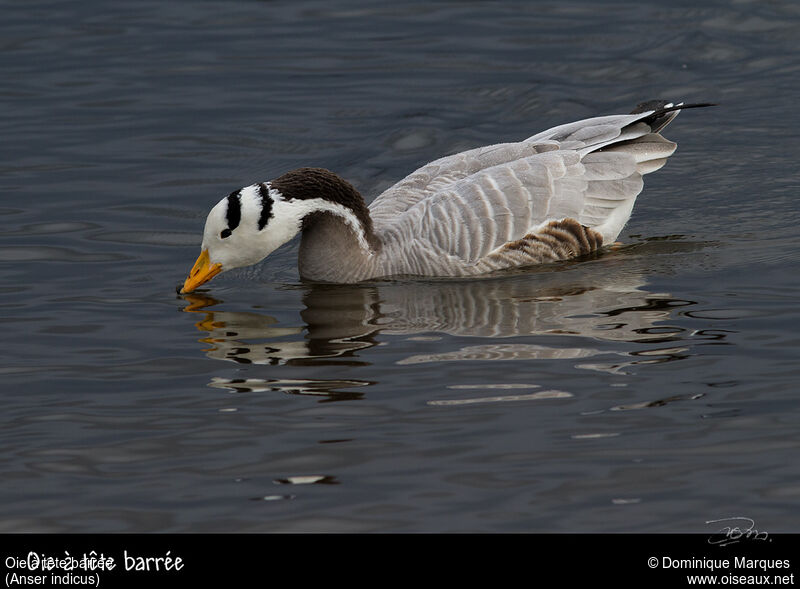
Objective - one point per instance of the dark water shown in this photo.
(652, 388)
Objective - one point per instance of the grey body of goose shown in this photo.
(559, 194)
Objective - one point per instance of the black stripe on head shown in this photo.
(266, 206)
(234, 212)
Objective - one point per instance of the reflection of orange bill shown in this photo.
(197, 302)
(202, 272)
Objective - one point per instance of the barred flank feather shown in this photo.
(556, 240)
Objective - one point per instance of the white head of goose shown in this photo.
(559, 194)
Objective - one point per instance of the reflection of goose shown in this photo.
(252, 338)
(321, 388)
(558, 304)
(559, 194)
(596, 304)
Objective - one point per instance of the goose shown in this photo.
(560, 194)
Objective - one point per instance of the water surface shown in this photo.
(647, 389)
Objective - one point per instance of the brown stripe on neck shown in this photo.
(308, 183)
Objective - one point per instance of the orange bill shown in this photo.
(202, 272)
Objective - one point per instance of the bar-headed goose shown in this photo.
(559, 194)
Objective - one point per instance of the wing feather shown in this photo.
(446, 171)
(457, 210)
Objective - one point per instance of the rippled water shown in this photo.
(651, 388)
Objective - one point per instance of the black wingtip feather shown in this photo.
(663, 112)
(660, 106)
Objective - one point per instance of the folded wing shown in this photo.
(467, 207)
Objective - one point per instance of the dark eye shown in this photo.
(225, 233)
